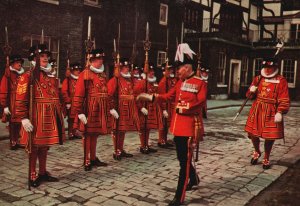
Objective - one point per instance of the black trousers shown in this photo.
(187, 171)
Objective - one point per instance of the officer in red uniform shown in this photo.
(166, 84)
(8, 90)
(150, 114)
(68, 90)
(91, 107)
(136, 74)
(46, 125)
(121, 87)
(265, 119)
(186, 125)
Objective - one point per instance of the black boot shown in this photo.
(125, 154)
(87, 167)
(192, 183)
(144, 150)
(98, 163)
(47, 178)
(175, 202)
(117, 156)
(151, 150)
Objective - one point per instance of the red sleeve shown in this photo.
(139, 87)
(162, 86)
(79, 95)
(4, 100)
(283, 98)
(65, 91)
(196, 106)
(170, 96)
(112, 86)
(22, 97)
(254, 83)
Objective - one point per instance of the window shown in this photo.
(221, 68)
(161, 57)
(163, 14)
(295, 32)
(51, 42)
(289, 70)
(257, 66)
(50, 1)
(244, 74)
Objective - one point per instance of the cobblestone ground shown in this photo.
(227, 178)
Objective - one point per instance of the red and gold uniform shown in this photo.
(68, 90)
(8, 90)
(47, 120)
(91, 99)
(164, 86)
(272, 97)
(153, 120)
(128, 113)
(265, 119)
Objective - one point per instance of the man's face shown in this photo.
(135, 71)
(125, 69)
(269, 70)
(76, 72)
(151, 74)
(17, 65)
(97, 62)
(184, 71)
(204, 73)
(44, 58)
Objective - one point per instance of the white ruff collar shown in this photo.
(48, 70)
(203, 78)
(126, 76)
(172, 75)
(136, 75)
(33, 63)
(151, 80)
(19, 72)
(263, 73)
(97, 70)
(74, 76)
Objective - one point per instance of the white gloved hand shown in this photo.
(144, 111)
(165, 114)
(278, 117)
(145, 97)
(27, 125)
(114, 113)
(82, 118)
(68, 106)
(6, 111)
(253, 89)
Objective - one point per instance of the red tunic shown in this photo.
(189, 96)
(47, 115)
(8, 90)
(68, 90)
(154, 117)
(99, 103)
(163, 88)
(136, 80)
(128, 112)
(272, 96)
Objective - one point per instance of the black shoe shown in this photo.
(98, 163)
(47, 178)
(88, 167)
(144, 150)
(175, 202)
(14, 147)
(266, 164)
(117, 157)
(125, 154)
(193, 182)
(35, 183)
(151, 150)
(162, 145)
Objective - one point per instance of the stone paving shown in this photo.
(227, 178)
